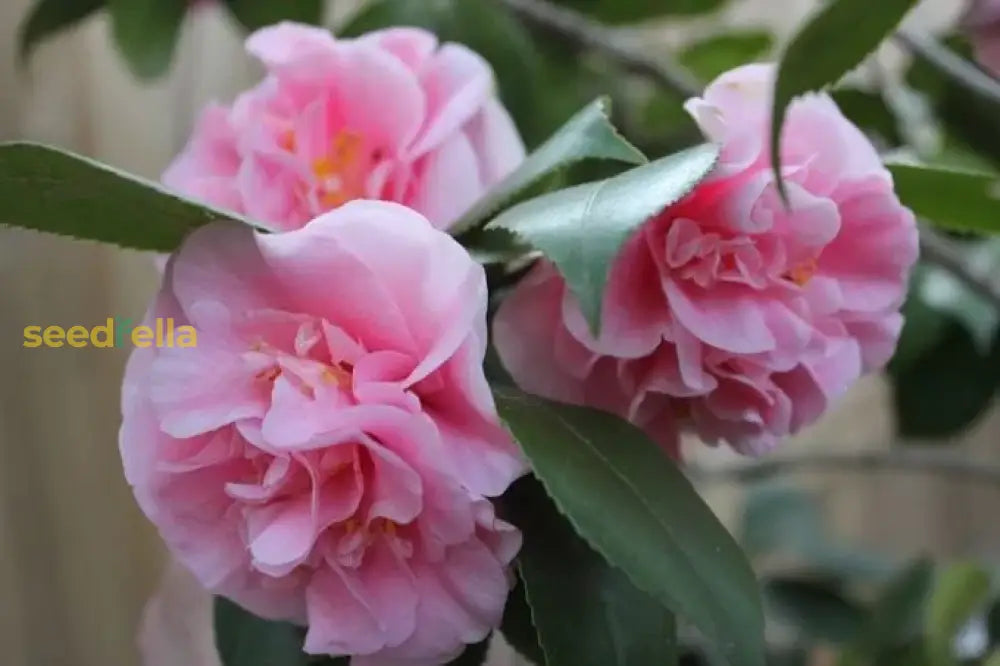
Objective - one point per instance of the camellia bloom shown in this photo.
(391, 115)
(323, 454)
(983, 25)
(726, 313)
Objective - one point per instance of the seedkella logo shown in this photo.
(115, 332)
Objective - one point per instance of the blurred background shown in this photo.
(77, 559)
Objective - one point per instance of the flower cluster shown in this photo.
(328, 452)
(730, 313)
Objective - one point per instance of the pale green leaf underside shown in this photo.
(587, 135)
(581, 229)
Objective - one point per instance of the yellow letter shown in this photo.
(187, 336)
(53, 336)
(108, 331)
(142, 336)
(32, 337)
(77, 336)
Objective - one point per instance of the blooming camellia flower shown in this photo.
(982, 22)
(727, 313)
(323, 454)
(390, 115)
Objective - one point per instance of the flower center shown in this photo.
(337, 174)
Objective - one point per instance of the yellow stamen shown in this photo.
(802, 273)
(337, 375)
(389, 527)
(351, 526)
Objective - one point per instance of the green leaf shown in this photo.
(518, 628)
(632, 504)
(993, 659)
(960, 591)
(254, 14)
(956, 200)
(243, 639)
(632, 11)
(832, 43)
(564, 578)
(146, 33)
(49, 190)
(582, 228)
(47, 17)
(895, 617)
(711, 57)
(587, 135)
(816, 609)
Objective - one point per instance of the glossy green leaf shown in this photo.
(633, 505)
(253, 14)
(960, 590)
(833, 42)
(47, 17)
(816, 609)
(518, 627)
(581, 229)
(589, 135)
(632, 11)
(957, 200)
(711, 57)
(146, 33)
(564, 578)
(49, 190)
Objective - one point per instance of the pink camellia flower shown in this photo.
(391, 115)
(982, 22)
(322, 455)
(727, 314)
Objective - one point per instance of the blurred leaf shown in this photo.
(868, 111)
(631, 11)
(49, 190)
(818, 610)
(960, 591)
(254, 14)
(779, 518)
(524, 74)
(587, 135)
(955, 200)
(564, 579)
(970, 120)
(243, 639)
(833, 42)
(993, 659)
(895, 617)
(633, 505)
(944, 391)
(923, 326)
(146, 33)
(582, 228)
(941, 291)
(715, 55)
(47, 17)
(518, 627)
